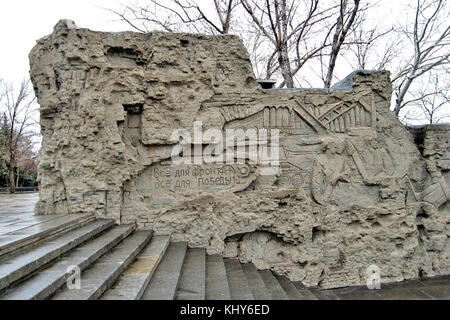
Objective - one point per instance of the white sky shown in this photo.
(22, 22)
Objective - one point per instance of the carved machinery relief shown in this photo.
(308, 148)
(329, 151)
(350, 187)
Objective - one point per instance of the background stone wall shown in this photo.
(352, 189)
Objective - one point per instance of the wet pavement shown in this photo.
(16, 213)
(436, 288)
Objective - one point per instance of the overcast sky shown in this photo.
(22, 22)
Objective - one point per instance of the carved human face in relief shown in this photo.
(333, 146)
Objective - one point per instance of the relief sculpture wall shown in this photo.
(351, 186)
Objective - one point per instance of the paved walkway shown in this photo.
(423, 289)
(16, 213)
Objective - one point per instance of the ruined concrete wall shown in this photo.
(433, 217)
(351, 189)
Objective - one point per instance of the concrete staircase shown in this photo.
(119, 262)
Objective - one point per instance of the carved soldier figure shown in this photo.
(328, 169)
(374, 164)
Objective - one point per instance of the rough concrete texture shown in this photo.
(352, 189)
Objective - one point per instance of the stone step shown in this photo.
(23, 237)
(323, 294)
(21, 265)
(255, 282)
(304, 291)
(239, 287)
(192, 280)
(132, 283)
(44, 283)
(289, 288)
(164, 282)
(217, 287)
(13, 222)
(101, 275)
(273, 286)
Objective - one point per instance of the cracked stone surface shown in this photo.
(352, 189)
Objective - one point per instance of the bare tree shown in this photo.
(303, 31)
(17, 110)
(180, 16)
(278, 16)
(286, 37)
(345, 21)
(282, 36)
(430, 41)
(276, 36)
(431, 101)
(294, 30)
(373, 49)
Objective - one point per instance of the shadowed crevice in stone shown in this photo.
(349, 180)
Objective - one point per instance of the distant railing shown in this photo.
(20, 189)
